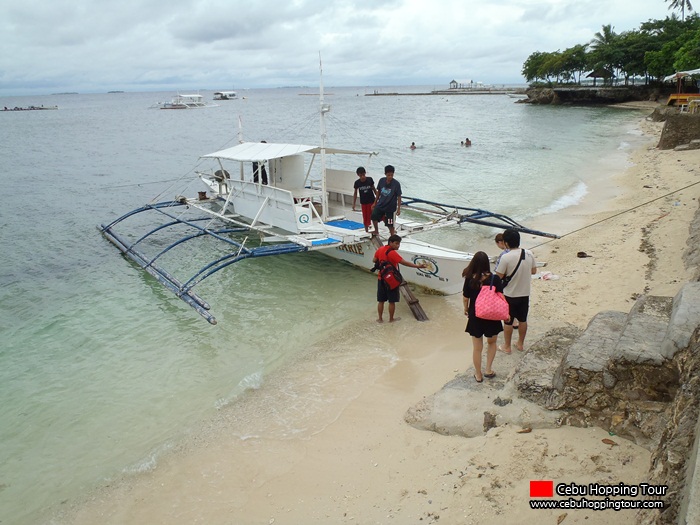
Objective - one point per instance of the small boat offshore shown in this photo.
(185, 102)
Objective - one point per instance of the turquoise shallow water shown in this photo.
(101, 370)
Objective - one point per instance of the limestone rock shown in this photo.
(684, 319)
(535, 371)
(576, 95)
(679, 128)
(458, 409)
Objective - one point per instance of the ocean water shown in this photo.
(102, 371)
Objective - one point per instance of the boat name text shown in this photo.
(352, 248)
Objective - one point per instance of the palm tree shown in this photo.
(606, 36)
(604, 50)
(682, 4)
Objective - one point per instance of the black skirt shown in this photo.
(477, 327)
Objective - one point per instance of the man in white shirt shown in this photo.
(516, 268)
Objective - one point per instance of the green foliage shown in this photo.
(688, 54)
(656, 49)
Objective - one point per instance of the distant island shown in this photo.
(66, 93)
(115, 92)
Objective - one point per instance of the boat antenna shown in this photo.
(323, 109)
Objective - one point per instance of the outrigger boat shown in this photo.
(305, 206)
(185, 102)
(225, 95)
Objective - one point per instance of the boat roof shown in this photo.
(224, 92)
(257, 151)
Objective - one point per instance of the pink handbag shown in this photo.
(491, 305)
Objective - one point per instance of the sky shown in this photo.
(94, 46)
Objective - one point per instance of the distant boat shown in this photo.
(225, 95)
(29, 108)
(185, 102)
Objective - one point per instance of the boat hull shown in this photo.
(443, 273)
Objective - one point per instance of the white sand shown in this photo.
(353, 458)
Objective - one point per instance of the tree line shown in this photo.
(657, 49)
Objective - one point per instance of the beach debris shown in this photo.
(489, 421)
(609, 442)
(546, 276)
(525, 430)
(582, 255)
(561, 517)
(502, 402)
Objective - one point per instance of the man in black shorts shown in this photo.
(516, 266)
(390, 253)
(388, 201)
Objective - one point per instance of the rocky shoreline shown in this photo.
(592, 95)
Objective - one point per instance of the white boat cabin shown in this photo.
(225, 95)
(274, 185)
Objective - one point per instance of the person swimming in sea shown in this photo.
(413, 145)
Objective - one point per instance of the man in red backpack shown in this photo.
(389, 254)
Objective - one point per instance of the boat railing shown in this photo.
(339, 182)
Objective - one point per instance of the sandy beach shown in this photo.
(353, 459)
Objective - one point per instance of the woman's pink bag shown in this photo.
(491, 305)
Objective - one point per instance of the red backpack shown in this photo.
(388, 273)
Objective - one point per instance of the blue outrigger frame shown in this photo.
(180, 289)
(184, 291)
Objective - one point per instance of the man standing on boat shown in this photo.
(368, 194)
(388, 201)
(259, 171)
(390, 253)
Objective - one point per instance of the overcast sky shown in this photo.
(144, 45)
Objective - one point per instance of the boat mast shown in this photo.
(240, 141)
(324, 108)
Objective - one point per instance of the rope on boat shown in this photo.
(136, 184)
(621, 213)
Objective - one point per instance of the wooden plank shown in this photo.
(406, 291)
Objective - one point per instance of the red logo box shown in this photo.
(541, 489)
